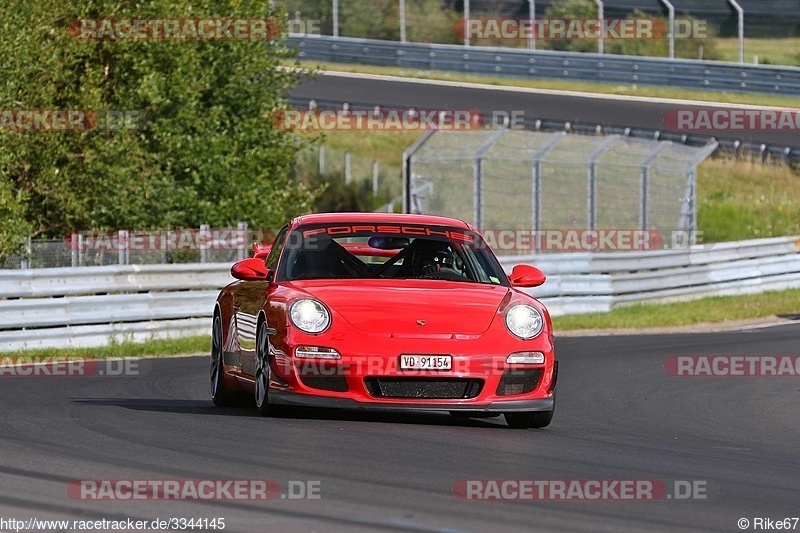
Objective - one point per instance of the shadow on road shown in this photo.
(245, 409)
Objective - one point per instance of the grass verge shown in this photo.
(771, 51)
(151, 348)
(560, 85)
(718, 309)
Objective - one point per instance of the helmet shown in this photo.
(431, 256)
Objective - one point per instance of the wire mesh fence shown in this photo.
(378, 180)
(531, 191)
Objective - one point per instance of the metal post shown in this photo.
(374, 178)
(241, 241)
(477, 174)
(73, 245)
(122, 246)
(402, 21)
(601, 17)
(740, 12)
(592, 178)
(347, 167)
(532, 16)
(322, 160)
(644, 184)
(27, 256)
(336, 18)
(167, 248)
(693, 230)
(671, 10)
(80, 249)
(204, 231)
(536, 219)
(408, 171)
(466, 22)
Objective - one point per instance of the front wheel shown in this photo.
(262, 372)
(220, 394)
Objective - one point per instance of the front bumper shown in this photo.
(287, 398)
(368, 374)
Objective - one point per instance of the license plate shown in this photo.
(426, 362)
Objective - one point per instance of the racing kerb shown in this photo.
(81, 307)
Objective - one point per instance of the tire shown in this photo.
(220, 394)
(262, 372)
(536, 419)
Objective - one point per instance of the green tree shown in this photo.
(207, 152)
(688, 48)
(571, 9)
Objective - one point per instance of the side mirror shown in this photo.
(527, 276)
(250, 270)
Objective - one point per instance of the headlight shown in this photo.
(310, 316)
(524, 321)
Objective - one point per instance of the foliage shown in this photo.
(206, 152)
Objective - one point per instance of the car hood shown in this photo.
(411, 308)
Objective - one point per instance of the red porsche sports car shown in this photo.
(384, 311)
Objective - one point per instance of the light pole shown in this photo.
(740, 12)
(402, 21)
(335, 18)
(602, 18)
(532, 16)
(671, 10)
(466, 22)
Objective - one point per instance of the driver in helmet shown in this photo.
(432, 257)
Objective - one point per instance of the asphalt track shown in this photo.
(550, 105)
(619, 416)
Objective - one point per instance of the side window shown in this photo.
(275, 253)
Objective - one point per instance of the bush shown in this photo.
(207, 153)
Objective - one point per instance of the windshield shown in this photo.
(365, 251)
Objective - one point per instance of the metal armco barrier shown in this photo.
(598, 282)
(659, 72)
(90, 306)
(50, 308)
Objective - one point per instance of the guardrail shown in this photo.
(598, 282)
(61, 307)
(78, 307)
(659, 72)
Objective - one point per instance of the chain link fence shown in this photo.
(332, 163)
(379, 181)
(533, 191)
